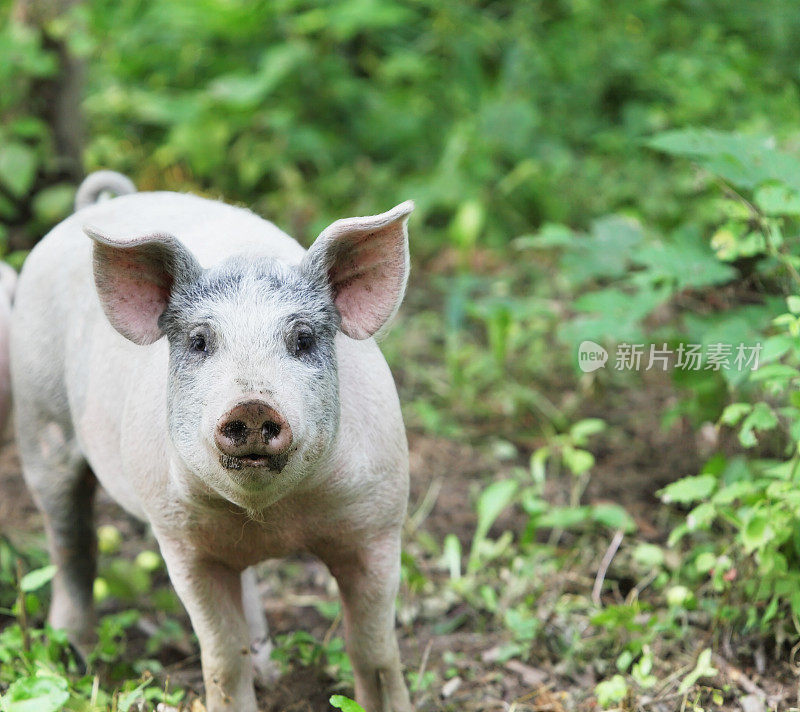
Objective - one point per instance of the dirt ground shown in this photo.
(632, 465)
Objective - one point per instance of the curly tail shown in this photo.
(100, 182)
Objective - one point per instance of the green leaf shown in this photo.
(247, 91)
(744, 161)
(17, 168)
(649, 556)
(551, 235)
(606, 252)
(679, 596)
(578, 461)
(771, 371)
(613, 516)
(36, 694)
(564, 517)
(467, 224)
(705, 562)
(756, 532)
(538, 462)
(734, 491)
(642, 671)
(616, 315)
(109, 539)
(345, 704)
(128, 699)
(778, 200)
(761, 418)
(581, 431)
(702, 669)
(624, 660)
(53, 204)
(34, 580)
(685, 260)
(734, 413)
(451, 555)
(610, 692)
(689, 489)
(493, 500)
(522, 622)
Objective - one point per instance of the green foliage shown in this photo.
(703, 668)
(31, 194)
(42, 694)
(340, 702)
(751, 498)
(302, 648)
(741, 557)
(611, 692)
(493, 500)
(496, 119)
(34, 580)
(39, 674)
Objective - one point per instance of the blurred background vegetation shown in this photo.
(617, 171)
(517, 113)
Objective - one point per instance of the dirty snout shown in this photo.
(253, 434)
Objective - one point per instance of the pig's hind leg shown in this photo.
(265, 670)
(63, 486)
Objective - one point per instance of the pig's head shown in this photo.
(253, 391)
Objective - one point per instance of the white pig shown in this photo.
(265, 423)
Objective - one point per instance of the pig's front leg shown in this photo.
(368, 579)
(212, 595)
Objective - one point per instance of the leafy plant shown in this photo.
(340, 702)
(751, 496)
(304, 649)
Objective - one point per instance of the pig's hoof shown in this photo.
(265, 669)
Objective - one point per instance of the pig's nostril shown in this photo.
(251, 431)
(236, 430)
(270, 430)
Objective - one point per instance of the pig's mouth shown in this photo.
(259, 461)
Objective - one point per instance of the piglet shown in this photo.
(222, 384)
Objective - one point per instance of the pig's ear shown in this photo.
(365, 263)
(134, 278)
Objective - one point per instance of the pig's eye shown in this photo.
(198, 343)
(303, 343)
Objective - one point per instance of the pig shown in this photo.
(8, 281)
(222, 384)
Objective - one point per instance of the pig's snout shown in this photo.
(253, 434)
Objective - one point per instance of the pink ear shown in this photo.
(365, 261)
(134, 278)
